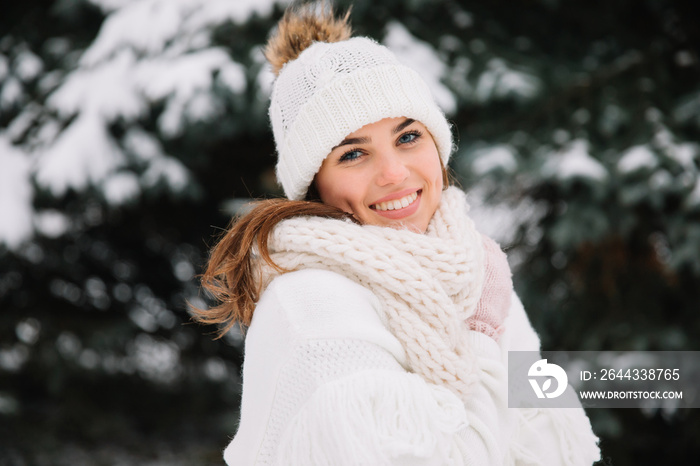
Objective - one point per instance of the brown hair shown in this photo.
(231, 276)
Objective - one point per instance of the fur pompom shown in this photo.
(302, 25)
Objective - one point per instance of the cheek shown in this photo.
(337, 191)
(439, 176)
(434, 170)
(324, 182)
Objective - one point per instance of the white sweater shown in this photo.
(325, 383)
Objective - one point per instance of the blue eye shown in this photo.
(409, 137)
(350, 155)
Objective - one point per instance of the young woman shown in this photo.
(379, 318)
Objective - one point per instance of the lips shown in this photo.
(398, 207)
(397, 204)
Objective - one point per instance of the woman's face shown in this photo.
(386, 173)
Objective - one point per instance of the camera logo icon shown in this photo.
(543, 369)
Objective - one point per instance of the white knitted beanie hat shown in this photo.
(334, 89)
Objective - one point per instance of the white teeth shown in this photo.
(397, 203)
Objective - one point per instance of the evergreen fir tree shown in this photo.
(131, 131)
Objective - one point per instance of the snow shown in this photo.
(503, 220)
(121, 187)
(12, 358)
(122, 87)
(170, 121)
(160, 166)
(660, 180)
(111, 5)
(219, 11)
(264, 81)
(233, 76)
(457, 76)
(138, 57)
(575, 161)
(146, 51)
(463, 19)
(83, 154)
(142, 144)
(11, 93)
(51, 223)
(143, 319)
(182, 79)
(685, 154)
(183, 270)
(636, 158)
(4, 66)
(23, 121)
(28, 330)
(500, 81)
(155, 359)
(50, 81)
(106, 92)
(145, 27)
(265, 78)
(203, 106)
(422, 58)
(15, 195)
(501, 156)
(49, 130)
(169, 170)
(28, 65)
(693, 198)
(150, 26)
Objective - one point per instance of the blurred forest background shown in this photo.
(132, 130)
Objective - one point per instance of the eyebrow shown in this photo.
(366, 140)
(401, 126)
(351, 141)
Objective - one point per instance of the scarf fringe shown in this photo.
(375, 418)
(576, 444)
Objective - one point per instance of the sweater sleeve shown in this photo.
(324, 382)
(551, 436)
(393, 417)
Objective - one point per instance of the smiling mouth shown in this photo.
(396, 204)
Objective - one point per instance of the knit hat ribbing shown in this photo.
(334, 89)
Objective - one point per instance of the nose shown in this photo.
(391, 169)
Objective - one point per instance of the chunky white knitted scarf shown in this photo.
(428, 284)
